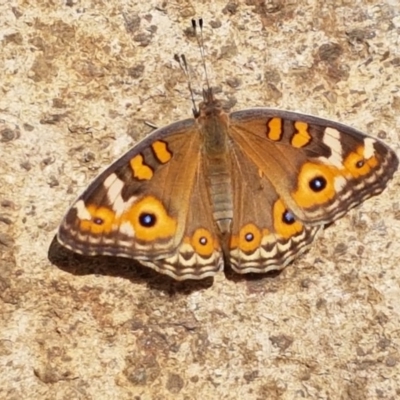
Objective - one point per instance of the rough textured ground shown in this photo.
(78, 80)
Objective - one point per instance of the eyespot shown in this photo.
(360, 163)
(318, 184)
(202, 242)
(285, 223)
(150, 220)
(288, 218)
(99, 219)
(249, 237)
(147, 220)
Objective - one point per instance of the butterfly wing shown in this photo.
(320, 168)
(143, 205)
(265, 234)
(301, 172)
(199, 254)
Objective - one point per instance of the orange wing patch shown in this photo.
(274, 131)
(301, 137)
(140, 170)
(161, 151)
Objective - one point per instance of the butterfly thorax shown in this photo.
(213, 124)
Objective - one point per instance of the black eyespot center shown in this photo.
(288, 218)
(317, 184)
(203, 241)
(249, 237)
(360, 163)
(147, 220)
(98, 221)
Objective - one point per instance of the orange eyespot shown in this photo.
(203, 242)
(102, 220)
(357, 164)
(315, 184)
(150, 220)
(249, 238)
(284, 222)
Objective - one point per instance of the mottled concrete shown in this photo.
(78, 80)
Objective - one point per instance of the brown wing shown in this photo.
(199, 254)
(320, 168)
(143, 206)
(296, 173)
(265, 234)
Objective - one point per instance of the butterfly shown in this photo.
(249, 188)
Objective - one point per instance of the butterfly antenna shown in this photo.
(181, 59)
(200, 42)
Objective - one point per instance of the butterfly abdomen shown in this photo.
(219, 185)
(213, 124)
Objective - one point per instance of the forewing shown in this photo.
(320, 168)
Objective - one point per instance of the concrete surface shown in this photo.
(78, 80)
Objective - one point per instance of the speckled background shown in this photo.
(78, 81)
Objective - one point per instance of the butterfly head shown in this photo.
(210, 106)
